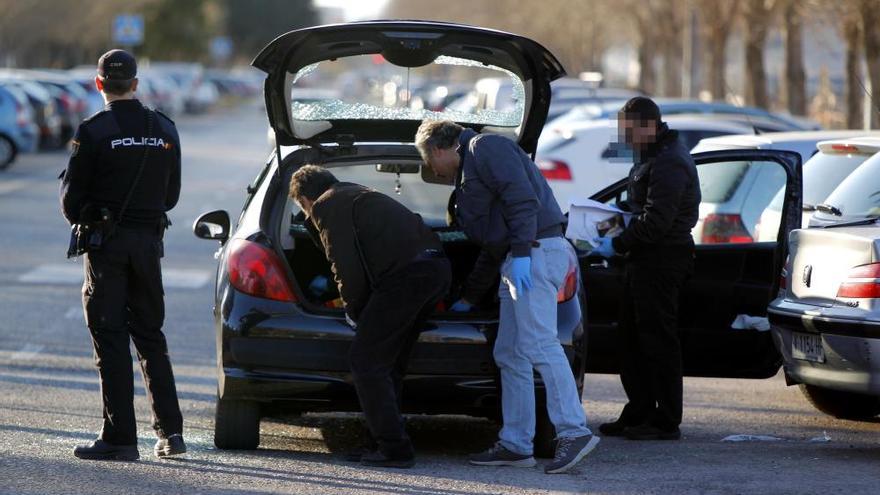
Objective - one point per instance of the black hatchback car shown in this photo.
(282, 341)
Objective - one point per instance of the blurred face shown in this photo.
(636, 132)
(444, 162)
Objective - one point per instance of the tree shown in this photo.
(252, 25)
(176, 30)
(718, 20)
(795, 74)
(757, 16)
(870, 21)
(670, 21)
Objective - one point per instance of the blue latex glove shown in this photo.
(319, 285)
(461, 306)
(604, 248)
(521, 273)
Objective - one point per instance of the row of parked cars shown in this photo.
(40, 109)
(333, 98)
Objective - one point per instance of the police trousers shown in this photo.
(123, 301)
(649, 344)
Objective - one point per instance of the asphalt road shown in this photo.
(49, 399)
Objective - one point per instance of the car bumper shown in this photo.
(851, 347)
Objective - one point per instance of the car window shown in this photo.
(822, 173)
(735, 201)
(859, 194)
(367, 87)
(690, 138)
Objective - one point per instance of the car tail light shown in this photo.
(845, 148)
(257, 271)
(569, 287)
(863, 282)
(20, 115)
(554, 169)
(725, 228)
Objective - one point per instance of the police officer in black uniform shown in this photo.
(126, 150)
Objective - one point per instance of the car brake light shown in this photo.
(725, 228)
(863, 282)
(846, 148)
(257, 271)
(554, 169)
(569, 287)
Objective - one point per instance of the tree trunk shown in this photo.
(717, 66)
(757, 20)
(870, 20)
(672, 20)
(794, 59)
(647, 74)
(854, 94)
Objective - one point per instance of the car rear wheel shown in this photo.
(237, 424)
(7, 152)
(845, 405)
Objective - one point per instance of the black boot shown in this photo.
(378, 459)
(100, 450)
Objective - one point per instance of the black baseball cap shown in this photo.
(117, 65)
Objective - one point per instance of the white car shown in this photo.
(580, 160)
(738, 207)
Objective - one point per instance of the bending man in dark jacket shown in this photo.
(503, 203)
(664, 197)
(391, 272)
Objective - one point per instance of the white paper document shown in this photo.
(589, 220)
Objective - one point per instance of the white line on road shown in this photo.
(7, 187)
(27, 352)
(72, 274)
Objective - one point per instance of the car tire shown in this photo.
(7, 152)
(237, 424)
(545, 432)
(844, 405)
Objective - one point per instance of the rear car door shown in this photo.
(734, 276)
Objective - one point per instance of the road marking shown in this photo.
(27, 352)
(9, 186)
(72, 274)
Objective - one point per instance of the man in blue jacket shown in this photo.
(503, 203)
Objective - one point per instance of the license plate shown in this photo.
(807, 347)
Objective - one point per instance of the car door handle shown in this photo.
(601, 264)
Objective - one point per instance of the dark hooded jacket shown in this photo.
(663, 194)
(366, 236)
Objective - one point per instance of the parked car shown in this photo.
(581, 159)
(854, 199)
(736, 199)
(18, 131)
(45, 113)
(283, 347)
(832, 163)
(756, 118)
(825, 321)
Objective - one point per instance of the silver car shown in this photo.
(826, 320)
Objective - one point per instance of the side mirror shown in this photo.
(212, 225)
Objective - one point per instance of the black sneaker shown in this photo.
(500, 456)
(570, 451)
(614, 428)
(355, 455)
(651, 432)
(172, 445)
(378, 459)
(100, 450)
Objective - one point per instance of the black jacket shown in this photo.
(354, 221)
(663, 194)
(108, 149)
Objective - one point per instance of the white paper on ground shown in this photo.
(746, 322)
(584, 218)
(750, 438)
(821, 439)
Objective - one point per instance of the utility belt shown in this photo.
(98, 225)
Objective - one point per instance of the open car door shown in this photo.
(733, 276)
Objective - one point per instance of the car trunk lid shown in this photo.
(377, 47)
(822, 260)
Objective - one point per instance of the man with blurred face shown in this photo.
(663, 195)
(504, 204)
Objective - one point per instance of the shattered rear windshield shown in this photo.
(368, 87)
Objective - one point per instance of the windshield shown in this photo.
(859, 194)
(822, 174)
(367, 87)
